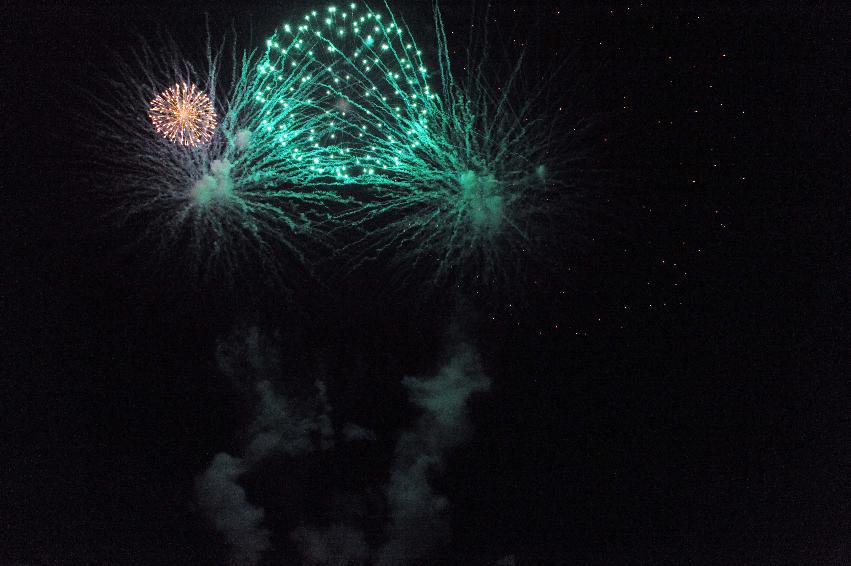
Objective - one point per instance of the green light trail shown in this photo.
(340, 126)
(457, 175)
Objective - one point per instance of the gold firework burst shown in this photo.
(183, 114)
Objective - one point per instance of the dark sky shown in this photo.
(673, 391)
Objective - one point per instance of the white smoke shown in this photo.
(338, 545)
(287, 429)
(279, 427)
(418, 514)
(418, 523)
(243, 137)
(217, 185)
(356, 433)
(225, 503)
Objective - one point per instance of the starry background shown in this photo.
(674, 392)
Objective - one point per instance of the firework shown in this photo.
(460, 177)
(183, 114)
(372, 87)
(226, 195)
(340, 123)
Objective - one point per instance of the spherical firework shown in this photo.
(183, 114)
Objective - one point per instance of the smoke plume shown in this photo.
(418, 514)
(279, 426)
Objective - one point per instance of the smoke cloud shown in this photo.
(338, 545)
(225, 503)
(356, 433)
(279, 426)
(418, 514)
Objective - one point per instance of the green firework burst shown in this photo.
(460, 177)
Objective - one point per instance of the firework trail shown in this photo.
(463, 177)
(213, 165)
(337, 120)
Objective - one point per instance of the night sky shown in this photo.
(668, 387)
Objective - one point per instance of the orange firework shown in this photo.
(183, 114)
